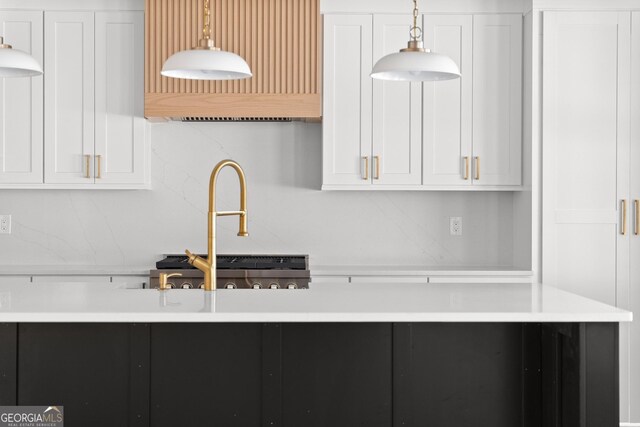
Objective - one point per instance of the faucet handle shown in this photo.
(198, 262)
(163, 280)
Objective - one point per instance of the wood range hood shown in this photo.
(279, 39)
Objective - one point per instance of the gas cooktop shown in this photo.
(239, 272)
(241, 262)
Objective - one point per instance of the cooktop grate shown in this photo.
(241, 262)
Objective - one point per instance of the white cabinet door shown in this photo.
(69, 97)
(497, 95)
(447, 105)
(346, 129)
(585, 151)
(119, 104)
(632, 295)
(397, 145)
(21, 125)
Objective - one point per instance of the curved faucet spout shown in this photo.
(208, 266)
(242, 213)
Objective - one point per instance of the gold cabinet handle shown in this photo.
(365, 175)
(377, 160)
(477, 168)
(466, 168)
(87, 166)
(636, 209)
(99, 167)
(624, 217)
(163, 280)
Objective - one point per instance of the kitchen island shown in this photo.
(333, 355)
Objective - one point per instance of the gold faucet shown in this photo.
(208, 266)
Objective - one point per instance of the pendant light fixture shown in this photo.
(16, 63)
(415, 63)
(206, 62)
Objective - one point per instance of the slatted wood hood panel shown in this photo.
(279, 39)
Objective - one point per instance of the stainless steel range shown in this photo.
(237, 272)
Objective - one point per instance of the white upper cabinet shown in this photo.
(347, 100)
(447, 108)
(461, 134)
(21, 126)
(94, 103)
(69, 97)
(81, 125)
(119, 103)
(397, 146)
(497, 99)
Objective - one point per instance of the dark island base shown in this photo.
(317, 374)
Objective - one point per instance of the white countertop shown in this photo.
(324, 302)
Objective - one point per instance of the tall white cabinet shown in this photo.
(591, 188)
(631, 294)
(21, 99)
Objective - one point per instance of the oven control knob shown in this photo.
(186, 285)
(292, 286)
(256, 286)
(201, 286)
(230, 286)
(274, 286)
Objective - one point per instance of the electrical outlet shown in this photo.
(455, 226)
(5, 224)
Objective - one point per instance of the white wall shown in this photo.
(287, 212)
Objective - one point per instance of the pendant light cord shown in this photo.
(415, 31)
(206, 25)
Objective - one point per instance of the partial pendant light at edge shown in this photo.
(415, 63)
(16, 63)
(206, 62)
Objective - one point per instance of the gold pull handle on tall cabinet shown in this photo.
(636, 209)
(99, 167)
(87, 166)
(466, 168)
(477, 168)
(377, 160)
(365, 175)
(624, 217)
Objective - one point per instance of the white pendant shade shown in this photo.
(206, 64)
(16, 63)
(415, 66)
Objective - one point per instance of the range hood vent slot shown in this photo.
(236, 119)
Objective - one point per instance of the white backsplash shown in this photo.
(287, 211)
